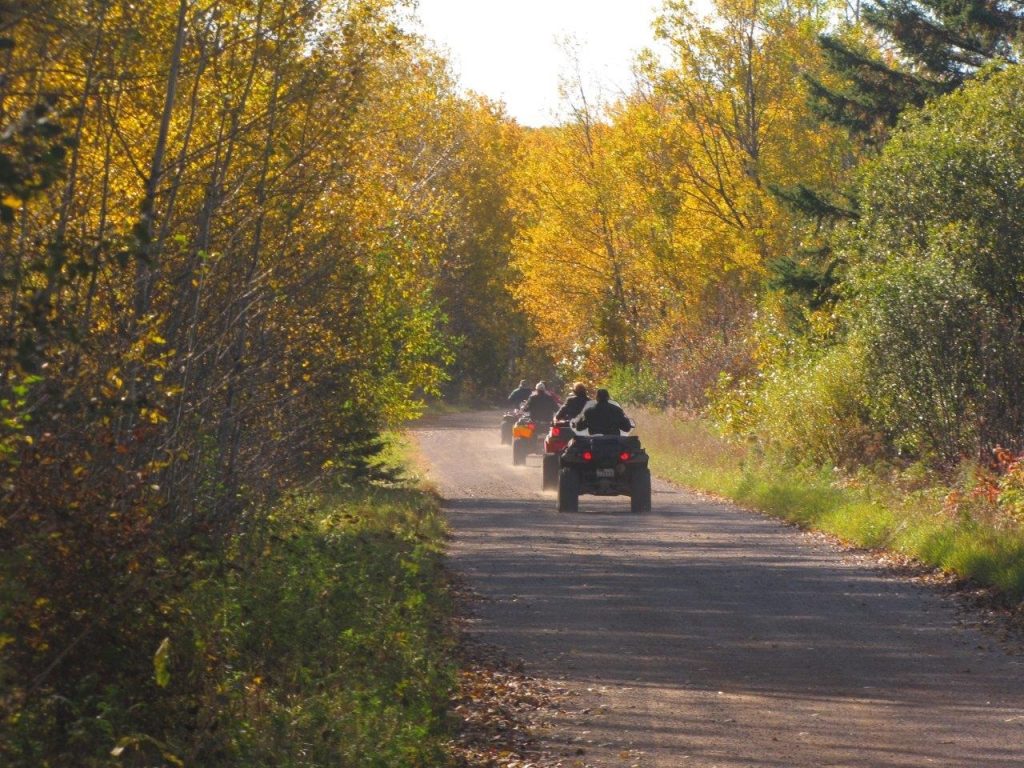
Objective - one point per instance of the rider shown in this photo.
(519, 394)
(574, 403)
(541, 406)
(602, 417)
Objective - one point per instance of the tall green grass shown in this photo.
(333, 644)
(871, 510)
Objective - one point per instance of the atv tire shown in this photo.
(520, 448)
(640, 491)
(506, 433)
(550, 472)
(568, 490)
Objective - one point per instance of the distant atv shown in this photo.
(526, 439)
(604, 465)
(508, 422)
(557, 439)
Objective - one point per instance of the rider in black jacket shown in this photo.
(602, 417)
(574, 403)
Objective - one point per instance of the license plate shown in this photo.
(606, 473)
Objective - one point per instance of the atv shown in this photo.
(604, 465)
(558, 437)
(526, 439)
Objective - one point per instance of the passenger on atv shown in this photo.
(602, 417)
(574, 404)
(519, 394)
(560, 434)
(541, 406)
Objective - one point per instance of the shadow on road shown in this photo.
(732, 614)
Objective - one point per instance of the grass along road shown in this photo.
(908, 517)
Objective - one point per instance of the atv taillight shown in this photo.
(624, 456)
(555, 431)
(588, 456)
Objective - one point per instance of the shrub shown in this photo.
(924, 327)
(319, 638)
(638, 385)
(815, 408)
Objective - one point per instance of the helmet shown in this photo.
(602, 394)
(541, 386)
(580, 389)
(523, 383)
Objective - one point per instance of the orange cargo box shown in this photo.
(523, 430)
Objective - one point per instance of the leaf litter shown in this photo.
(499, 711)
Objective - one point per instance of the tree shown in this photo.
(946, 258)
(582, 282)
(491, 332)
(744, 144)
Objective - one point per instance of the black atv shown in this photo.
(604, 465)
(508, 422)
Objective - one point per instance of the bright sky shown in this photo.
(512, 50)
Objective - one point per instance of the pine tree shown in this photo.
(814, 205)
(939, 45)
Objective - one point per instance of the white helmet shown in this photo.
(540, 386)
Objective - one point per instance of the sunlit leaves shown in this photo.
(656, 212)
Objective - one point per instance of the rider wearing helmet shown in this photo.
(602, 417)
(519, 394)
(574, 403)
(541, 406)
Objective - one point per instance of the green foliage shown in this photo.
(161, 672)
(812, 204)
(913, 349)
(332, 636)
(948, 39)
(816, 408)
(14, 418)
(950, 181)
(941, 45)
(872, 93)
(812, 278)
(637, 385)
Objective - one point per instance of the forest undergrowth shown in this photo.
(322, 638)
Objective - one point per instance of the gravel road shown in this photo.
(705, 635)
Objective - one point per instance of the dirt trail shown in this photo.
(703, 635)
